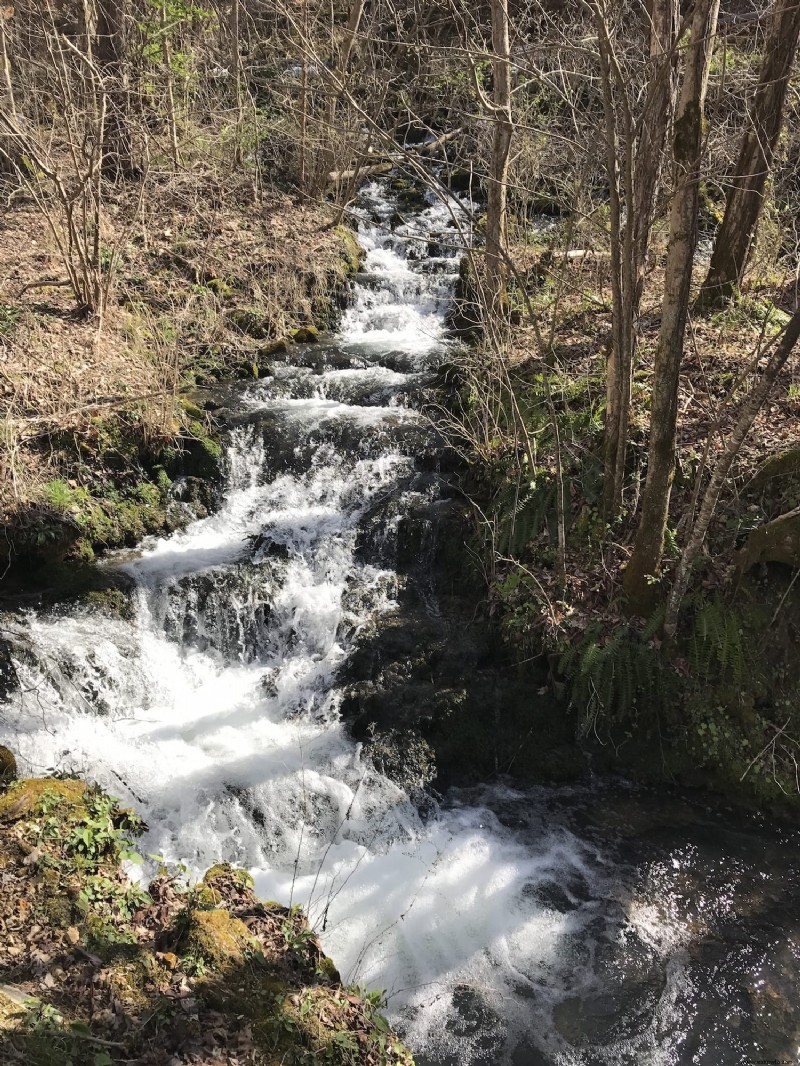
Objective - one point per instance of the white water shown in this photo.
(215, 712)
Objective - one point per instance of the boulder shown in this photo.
(774, 542)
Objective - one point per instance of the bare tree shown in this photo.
(111, 57)
(634, 148)
(497, 189)
(746, 191)
(643, 567)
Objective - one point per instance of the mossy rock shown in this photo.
(217, 938)
(327, 968)
(59, 910)
(8, 766)
(351, 254)
(784, 465)
(268, 351)
(305, 335)
(775, 542)
(113, 603)
(223, 874)
(23, 797)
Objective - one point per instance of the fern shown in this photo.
(521, 513)
(615, 677)
(717, 649)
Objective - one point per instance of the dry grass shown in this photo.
(191, 251)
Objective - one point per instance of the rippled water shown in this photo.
(594, 924)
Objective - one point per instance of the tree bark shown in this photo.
(746, 192)
(643, 567)
(750, 407)
(633, 176)
(497, 192)
(111, 54)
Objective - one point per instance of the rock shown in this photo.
(9, 682)
(8, 767)
(305, 335)
(216, 937)
(783, 465)
(775, 542)
(23, 796)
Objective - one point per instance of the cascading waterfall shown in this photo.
(506, 926)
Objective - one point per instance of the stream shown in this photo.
(558, 926)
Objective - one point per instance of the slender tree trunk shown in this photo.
(497, 192)
(644, 564)
(111, 55)
(756, 156)
(653, 127)
(633, 175)
(750, 407)
(236, 72)
(166, 59)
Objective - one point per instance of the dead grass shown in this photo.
(191, 250)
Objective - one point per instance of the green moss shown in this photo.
(114, 603)
(252, 322)
(217, 938)
(351, 254)
(58, 910)
(328, 969)
(24, 798)
(305, 335)
(223, 872)
(8, 766)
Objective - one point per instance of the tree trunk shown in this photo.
(643, 566)
(496, 298)
(746, 191)
(111, 55)
(236, 73)
(653, 125)
(633, 174)
(750, 407)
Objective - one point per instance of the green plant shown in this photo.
(522, 512)
(617, 675)
(717, 650)
(9, 316)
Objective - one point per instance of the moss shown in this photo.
(305, 335)
(114, 603)
(252, 322)
(8, 766)
(223, 872)
(266, 351)
(24, 797)
(351, 254)
(217, 938)
(59, 910)
(784, 465)
(328, 970)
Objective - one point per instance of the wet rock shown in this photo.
(305, 335)
(9, 682)
(8, 767)
(404, 757)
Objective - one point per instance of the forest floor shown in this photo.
(209, 281)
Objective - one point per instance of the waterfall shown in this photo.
(506, 926)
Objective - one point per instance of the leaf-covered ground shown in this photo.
(96, 970)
